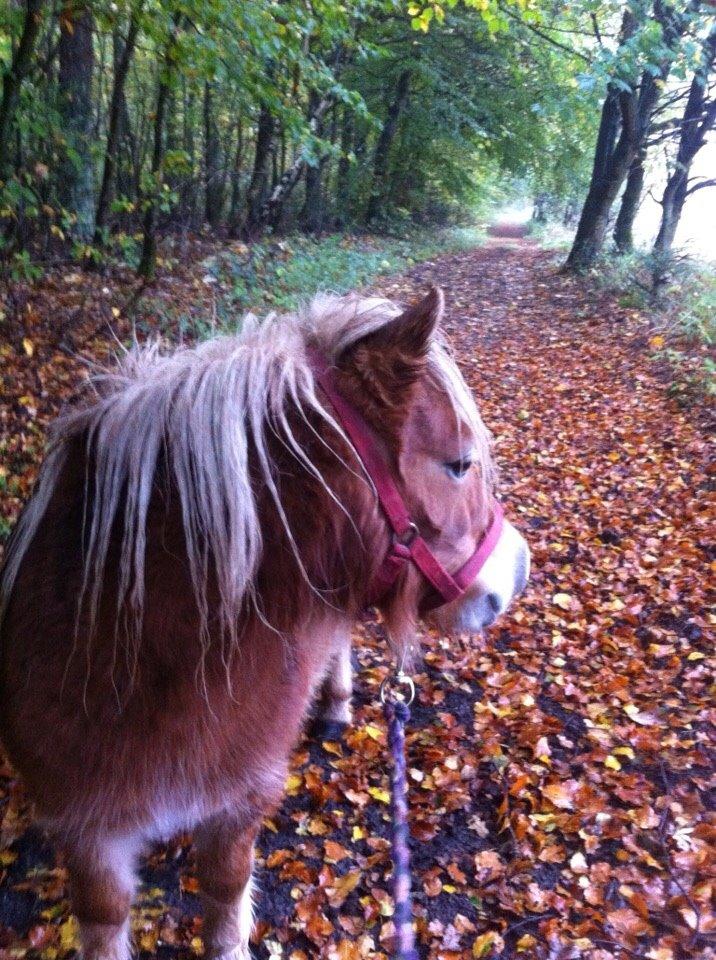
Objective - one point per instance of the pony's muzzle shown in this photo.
(503, 576)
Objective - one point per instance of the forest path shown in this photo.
(558, 765)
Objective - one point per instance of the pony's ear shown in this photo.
(390, 359)
(410, 333)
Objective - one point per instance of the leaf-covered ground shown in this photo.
(559, 766)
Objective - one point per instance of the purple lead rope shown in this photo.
(397, 714)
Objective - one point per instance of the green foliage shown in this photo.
(487, 100)
(498, 90)
(698, 316)
(551, 234)
(21, 267)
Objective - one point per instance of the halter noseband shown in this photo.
(407, 544)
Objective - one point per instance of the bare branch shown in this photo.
(700, 186)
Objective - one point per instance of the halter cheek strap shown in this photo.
(407, 544)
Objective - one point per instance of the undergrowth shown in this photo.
(679, 297)
(282, 273)
(553, 234)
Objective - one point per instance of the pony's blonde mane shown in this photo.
(206, 409)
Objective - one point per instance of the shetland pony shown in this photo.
(184, 578)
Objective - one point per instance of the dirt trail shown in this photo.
(559, 766)
(505, 229)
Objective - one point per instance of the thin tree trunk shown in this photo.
(236, 178)
(148, 261)
(225, 151)
(698, 120)
(311, 214)
(624, 227)
(327, 164)
(278, 157)
(258, 187)
(15, 75)
(76, 51)
(114, 128)
(672, 203)
(344, 168)
(127, 154)
(213, 187)
(283, 145)
(385, 141)
(187, 190)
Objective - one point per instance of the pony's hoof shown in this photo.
(322, 729)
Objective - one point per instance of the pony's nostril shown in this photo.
(493, 601)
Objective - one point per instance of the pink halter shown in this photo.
(407, 544)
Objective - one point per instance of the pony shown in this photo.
(182, 583)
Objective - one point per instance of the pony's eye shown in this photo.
(458, 468)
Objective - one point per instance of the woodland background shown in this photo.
(122, 121)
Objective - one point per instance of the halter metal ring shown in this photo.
(398, 688)
(410, 533)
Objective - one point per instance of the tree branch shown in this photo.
(544, 36)
(700, 186)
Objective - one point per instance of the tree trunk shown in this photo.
(187, 192)
(148, 261)
(385, 141)
(114, 128)
(698, 120)
(312, 213)
(213, 186)
(614, 157)
(672, 204)
(624, 228)
(14, 76)
(128, 157)
(258, 187)
(271, 210)
(343, 191)
(540, 212)
(278, 156)
(235, 205)
(571, 209)
(76, 52)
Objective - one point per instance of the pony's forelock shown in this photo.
(206, 411)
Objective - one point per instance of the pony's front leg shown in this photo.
(225, 857)
(102, 880)
(333, 706)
